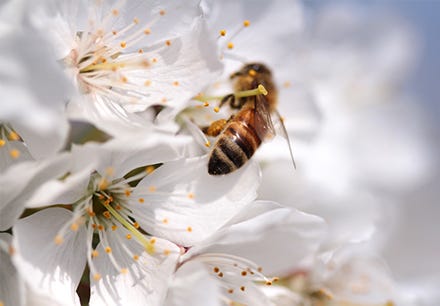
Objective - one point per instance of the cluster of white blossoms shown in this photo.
(105, 195)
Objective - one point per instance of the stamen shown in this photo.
(230, 45)
(222, 32)
(2, 143)
(14, 153)
(13, 136)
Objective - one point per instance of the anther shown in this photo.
(147, 31)
(147, 83)
(108, 250)
(242, 288)
(220, 274)
(230, 291)
(230, 45)
(100, 227)
(222, 32)
(216, 269)
(124, 271)
(207, 144)
(123, 44)
(152, 188)
(162, 12)
(127, 192)
(168, 43)
(165, 221)
(114, 227)
(136, 225)
(13, 136)
(149, 169)
(14, 153)
(153, 240)
(246, 23)
(176, 83)
(216, 109)
(252, 72)
(191, 195)
(189, 229)
(136, 20)
(243, 273)
(136, 257)
(114, 32)
(74, 226)
(95, 253)
(2, 143)
(58, 239)
(96, 276)
(115, 12)
(141, 200)
(166, 252)
(206, 104)
(128, 236)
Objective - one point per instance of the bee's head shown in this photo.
(252, 69)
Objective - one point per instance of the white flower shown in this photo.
(179, 201)
(278, 239)
(126, 56)
(32, 91)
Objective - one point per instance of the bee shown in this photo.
(241, 135)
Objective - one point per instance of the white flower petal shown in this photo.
(49, 268)
(185, 204)
(21, 181)
(276, 238)
(11, 285)
(143, 281)
(192, 285)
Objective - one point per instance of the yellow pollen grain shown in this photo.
(268, 283)
(216, 109)
(128, 236)
(275, 279)
(95, 253)
(107, 214)
(243, 273)
(115, 12)
(222, 32)
(152, 188)
(252, 72)
(230, 45)
(136, 257)
(58, 239)
(108, 250)
(74, 226)
(114, 32)
(124, 271)
(220, 274)
(230, 291)
(154, 60)
(191, 195)
(147, 83)
(123, 44)
(100, 227)
(206, 104)
(127, 192)
(2, 143)
(207, 144)
(216, 269)
(13, 136)
(168, 43)
(14, 153)
(140, 51)
(136, 225)
(136, 20)
(162, 12)
(189, 229)
(147, 31)
(153, 240)
(96, 276)
(149, 169)
(242, 288)
(176, 83)
(114, 227)
(246, 23)
(166, 252)
(141, 200)
(165, 221)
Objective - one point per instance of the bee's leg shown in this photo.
(215, 128)
(227, 99)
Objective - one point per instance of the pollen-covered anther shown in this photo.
(154, 60)
(287, 84)
(108, 250)
(164, 100)
(207, 144)
(216, 109)
(242, 288)
(136, 225)
(222, 32)
(230, 45)
(216, 269)
(58, 239)
(124, 79)
(243, 273)
(14, 153)
(141, 200)
(206, 104)
(269, 283)
(189, 229)
(114, 227)
(168, 43)
(275, 279)
(2, 143)
(95, 253)
(100, 227)
(220, 274)
(128, 236)
(140, 51)
(13, 136)
(107, 214)
(145, 63)
(123, 44)
(74, 226)
(260, 269)
(96, 276)
(246, 23)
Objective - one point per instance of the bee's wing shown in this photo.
(281, 130)
(263, 121)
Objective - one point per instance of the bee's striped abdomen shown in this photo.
(234, 147)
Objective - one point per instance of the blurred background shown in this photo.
(413, 252)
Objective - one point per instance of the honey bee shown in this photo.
(241, 135)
